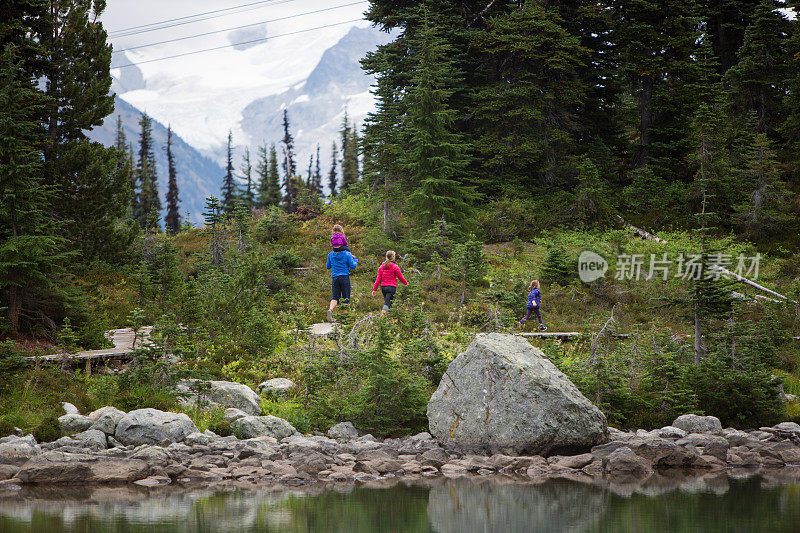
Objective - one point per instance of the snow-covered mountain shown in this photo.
(315, 76)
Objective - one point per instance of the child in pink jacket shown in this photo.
(388, 274)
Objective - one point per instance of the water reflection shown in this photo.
(724, 501)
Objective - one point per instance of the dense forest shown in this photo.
(507, 138)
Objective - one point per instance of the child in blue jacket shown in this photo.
(340, 264)
(534, 304)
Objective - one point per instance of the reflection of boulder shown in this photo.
(463, 506)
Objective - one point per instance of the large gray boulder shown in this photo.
(222, 394)
(698, 424)
(151, 426)
(249, 427)
(18, 451)
(504, 394)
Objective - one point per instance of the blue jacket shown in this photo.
(534, 296)
(341, 263)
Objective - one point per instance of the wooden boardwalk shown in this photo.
(123, 347)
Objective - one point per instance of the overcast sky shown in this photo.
(124, 14)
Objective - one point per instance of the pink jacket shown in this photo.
(388, 275)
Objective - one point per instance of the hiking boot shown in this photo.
(330, 316)
(519, 324)
(542, 327)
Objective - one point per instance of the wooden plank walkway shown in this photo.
(123, 347)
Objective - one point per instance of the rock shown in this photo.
(671, 432)
(231, 414)
(742, 456)
(791, 427)
(106, 419)
(504, 394)
(221, 394)
(276, 388)
(706, 444)
(616, 434)
(151, 426)
(153, 481)
(71, 424)
(736, 437)
(92, 438)
(18, 451)
(197, 438)
(785, 450)
(662, 452)
(70, 409)
(152, 455)
(8, 471)
(344, 431)
(59, 467)
(434, 457)
(379, 466)
(257, 426)
(114, 443)
(698, 424)
(624, 462)
(572, 461)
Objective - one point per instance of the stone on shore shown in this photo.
(59, 467)
(70, 409)
(232, 414)
(71, 424)
(698, 424)
(276, 387)
(106, 419)
(344, 431)
(222, 394)
(151, 426)
(249, 427)
(624, 462)
(18, 450)
(504, 394)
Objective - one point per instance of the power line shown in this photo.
(167, 26)
(124, 30)
(238, 27)
(237, 44)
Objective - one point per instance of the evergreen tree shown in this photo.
(333, 178)
(531, 105)
(310, 171)
(248, 195)
(121, 143)
(90, 186)
(438, 157)
(172, 221)
(273, 195)
(764, 211)
(228, 183)
(758, 81)
(350, 157)
(317, 181)
(148, 200)
(31, 253)
(289, 168)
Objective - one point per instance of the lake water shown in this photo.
(728, 501)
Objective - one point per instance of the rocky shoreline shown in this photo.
(151, 448)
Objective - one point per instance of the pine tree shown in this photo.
(214, 218)
(438, 157)
(317, 181)
(91, 193)
(310, 171)
(333, 178)
(248, 195)
(228, 183)
(758, 81)
(350, 158)
(121, 143)
(289, 168)
(148, 201)
(172, 221)
(31, 252)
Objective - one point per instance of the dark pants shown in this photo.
(340, 288)
(388, 295)
(532, 310)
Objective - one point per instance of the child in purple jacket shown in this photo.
(534, 305)
(338, 240)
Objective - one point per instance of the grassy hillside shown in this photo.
(243, 320)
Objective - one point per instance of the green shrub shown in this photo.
(11, 360)
(48, 430)
(557, 267)
(6, 427)
(272, 226)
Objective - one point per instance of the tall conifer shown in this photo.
(148, 201)
(333, 178)
(228, 183)
(248, 195)
(289, 167)
(172, 221)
